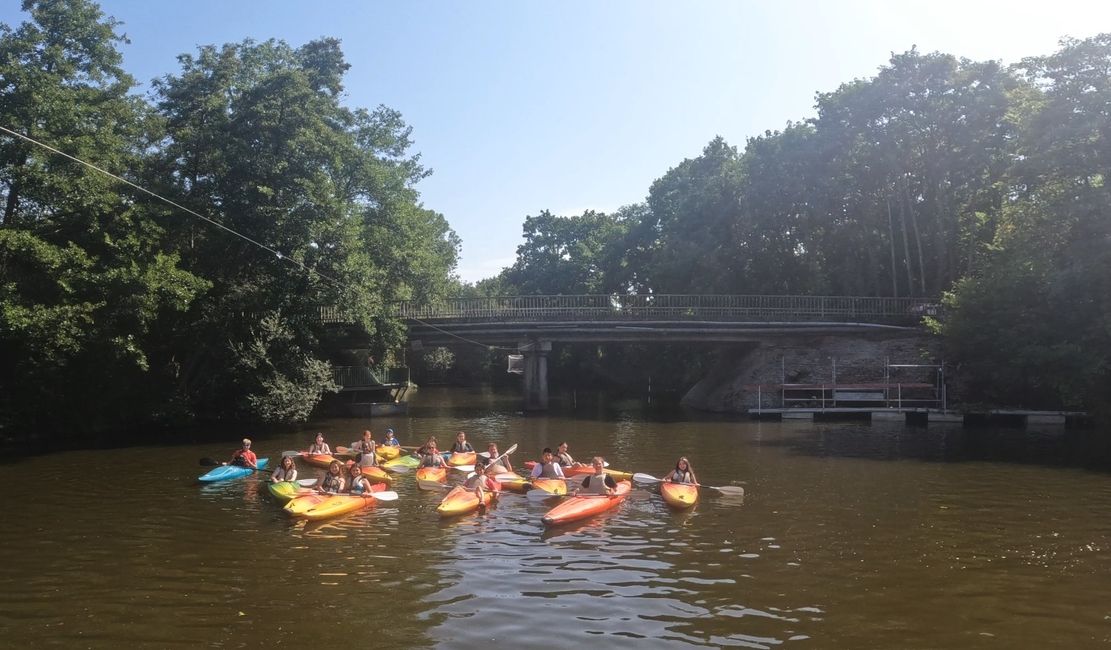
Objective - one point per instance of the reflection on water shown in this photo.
(851, 535)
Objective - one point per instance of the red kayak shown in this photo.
(583, 506)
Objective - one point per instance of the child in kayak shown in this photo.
(287, 471)
(426, 446)
(683, 473)
(599, 482)
(364, 450)
(430, 456)
(502, 466)
(320, 448)
(564, 458)
(461, 445)
(333, 479)
(482, 479)
(547, 467)
(357, 483)
(244, 457)
(391, 440)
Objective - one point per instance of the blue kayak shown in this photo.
(226, 472)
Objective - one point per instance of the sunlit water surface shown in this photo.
(851, 535)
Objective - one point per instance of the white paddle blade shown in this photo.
(385, 495)
(398, 469)
(507, 477)
(731, 490)
(484, 454)
(645, 478)
(307, 482)
(292, 453)
(463, 468)
(540, 495)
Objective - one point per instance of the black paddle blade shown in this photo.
(208, 462)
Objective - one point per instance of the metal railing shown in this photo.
(672, 307)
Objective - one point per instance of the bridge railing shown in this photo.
(658, 307)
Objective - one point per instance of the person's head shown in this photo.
(431, 444)
(287, 462)
(546, 454)
(480, 464)
(683, 465)
(367, 435)
(389, 433)
(563, 447)
(335, 468)
(354, 471)
(319, 438)
(431, 440)
(599, 464)
(493, 449)
(246, 443)
(461, 437)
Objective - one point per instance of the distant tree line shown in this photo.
(983, 186)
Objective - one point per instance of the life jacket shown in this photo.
(677, 476)
(331, 483)
(460, 449)
(565, 460)
(597, 486)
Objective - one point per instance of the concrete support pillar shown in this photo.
(536, 373)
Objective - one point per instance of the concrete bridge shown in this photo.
(530, 324)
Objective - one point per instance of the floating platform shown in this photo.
(927, 416)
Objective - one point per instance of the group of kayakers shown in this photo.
(551, 465)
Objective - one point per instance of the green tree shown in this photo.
(86, 283)
(258, 138)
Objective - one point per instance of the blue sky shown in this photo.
(521, 106)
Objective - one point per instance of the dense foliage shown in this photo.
(940, 177)
(123, 310)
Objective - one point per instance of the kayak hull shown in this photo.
(228, 472)
(375, 474)
(284, 491)
(408, 462)
(556, 487)
(317, 506)
(464, 458)
(460, 501)
(581, 507)
(387, 453)
(431, 478)
(679, 495)
(514, 483)
(320, 460)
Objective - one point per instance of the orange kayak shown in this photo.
(464, 458)
(430, 478)
(461, 501)
(679, 495)
(553, 486)
(375, 474)
(385, 453)
(322, 506)
(320, 460)
(581, 507)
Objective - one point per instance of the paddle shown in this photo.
(470, 468)
(731, 490)
(208, 462)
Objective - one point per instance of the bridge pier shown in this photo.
(536, 373)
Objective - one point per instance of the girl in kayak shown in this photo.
(426, 446)
(481, 481)
(461, 445)
(547, 467)
(564, 458)
(320, 448)
(358, 485)
(683, 473)
(365, 450)
(244, 457)
(287, 471)
(391, 440)
(333, 479)
(430, 456)
(599, 482)
(502, 465)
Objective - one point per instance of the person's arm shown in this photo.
(327, 450)
(504, 462)
(537, 470)
(611, 484)
(559, 471)
(694, 479)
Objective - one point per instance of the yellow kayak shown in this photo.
(679, 495)
(461, 501)
(387, 453)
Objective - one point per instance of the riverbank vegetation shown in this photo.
(980, 185)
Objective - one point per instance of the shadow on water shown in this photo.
(1086, 449)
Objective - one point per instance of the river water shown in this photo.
(851, 535)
